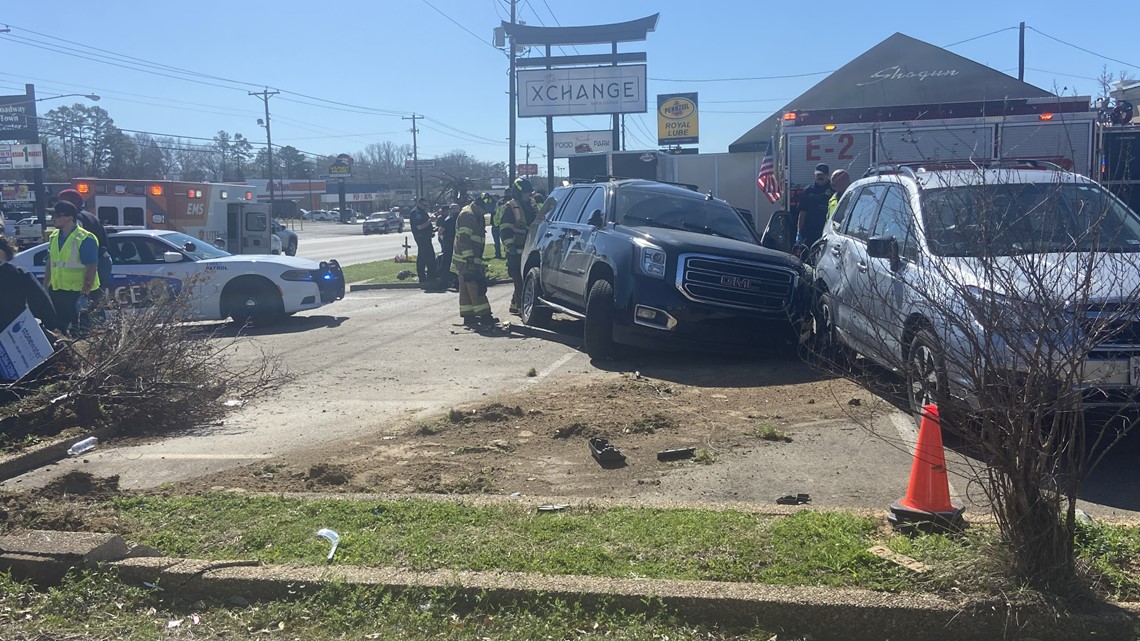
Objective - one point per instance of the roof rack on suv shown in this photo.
(885, 169)
(604, 179)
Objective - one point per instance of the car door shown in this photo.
(141, 274)
(889, 289)
(579, 248)
(555, 238)
(851, 286)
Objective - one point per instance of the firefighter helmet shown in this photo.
(523, 186)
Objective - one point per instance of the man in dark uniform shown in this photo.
(422, 231)
(813, 207)
(446, 230)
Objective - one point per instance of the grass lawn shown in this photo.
(382, 272)
(806, 548)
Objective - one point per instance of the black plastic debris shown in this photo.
(676, 454)
(797, 499)
(605, 453)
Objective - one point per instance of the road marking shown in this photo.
(553, 368)
(204, 457)
(908, 432)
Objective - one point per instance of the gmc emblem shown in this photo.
(736, 281)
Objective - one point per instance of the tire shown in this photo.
(599, 331)
(926, 380)
(292, 251)
(531, 311)
(253, 303)
(825, 343)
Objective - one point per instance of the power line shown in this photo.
(1098, 55)
(453, 21)
(984, 35)
(785, 77)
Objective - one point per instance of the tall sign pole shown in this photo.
(549, 143)
(40, 206)
(511, 91)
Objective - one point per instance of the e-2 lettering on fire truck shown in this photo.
(224, 215)
(1061, 130)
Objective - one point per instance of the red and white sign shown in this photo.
(527, 170)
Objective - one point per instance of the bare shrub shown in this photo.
(145, 370)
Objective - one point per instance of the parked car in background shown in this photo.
(383, 222)
(657, 265)
(288, 238)
(27, 232)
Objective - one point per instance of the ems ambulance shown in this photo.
(223, 215)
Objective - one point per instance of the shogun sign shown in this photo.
(897, 73)
(576, 143)
(582, 91)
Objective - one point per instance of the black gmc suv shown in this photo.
(657, 265)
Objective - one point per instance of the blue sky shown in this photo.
(435, 58)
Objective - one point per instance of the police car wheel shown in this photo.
(253, 303)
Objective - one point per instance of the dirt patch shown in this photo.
(82, 484)
(535, 441)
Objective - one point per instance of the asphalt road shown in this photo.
(347, 243)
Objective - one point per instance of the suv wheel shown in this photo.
(599, 330)
(825, 343)
(532, 311)
(926, 380)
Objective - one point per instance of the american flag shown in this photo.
(766, 181)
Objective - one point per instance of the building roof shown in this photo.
(898, 71)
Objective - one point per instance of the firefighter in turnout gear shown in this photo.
(470, 239)
(517, 217)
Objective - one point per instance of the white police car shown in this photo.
(243, 287)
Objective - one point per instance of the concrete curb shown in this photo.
(412, 285)
(853, 614)
(40, 455)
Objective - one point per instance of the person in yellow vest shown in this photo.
(840, 181)
(71, 273)
(470, 239)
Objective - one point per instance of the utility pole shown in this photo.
(513, 89)
(416, 156)
(265, 95)
(1021, 52)
(528, 146)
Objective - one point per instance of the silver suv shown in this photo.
(962, 277)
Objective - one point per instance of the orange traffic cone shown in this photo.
(927, 504)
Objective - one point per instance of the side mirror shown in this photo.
(597, 219)
(172, 257)
(885, 247)
(778, 233)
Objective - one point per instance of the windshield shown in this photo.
(377, 216)
(649, 208)
(202, 249)
(1027, 218)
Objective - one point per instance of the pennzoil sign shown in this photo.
(678, 120)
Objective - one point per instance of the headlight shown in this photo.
(297, 274)
(650, 259)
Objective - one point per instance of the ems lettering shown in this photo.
(195, 209)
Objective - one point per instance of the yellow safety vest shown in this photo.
(66, 268)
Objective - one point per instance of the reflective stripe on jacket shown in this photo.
(67, 271)
(470, 237)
